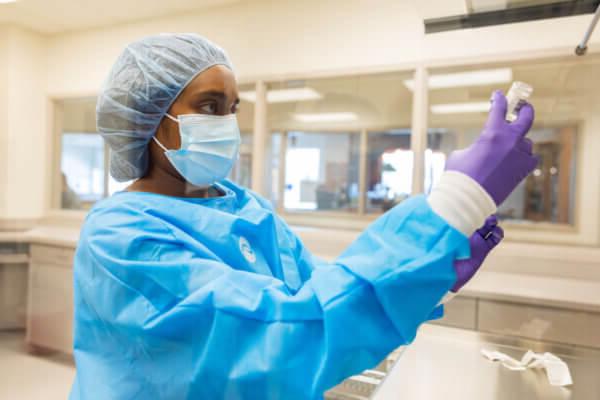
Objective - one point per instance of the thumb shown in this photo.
(499, 107)
(524, 120)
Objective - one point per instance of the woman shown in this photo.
(190, 287)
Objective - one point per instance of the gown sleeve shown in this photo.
(154, 320)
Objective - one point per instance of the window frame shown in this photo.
(57, 162)
(533, 232)
(529, 231)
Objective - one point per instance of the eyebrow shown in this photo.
(214, 93)
(211, 93)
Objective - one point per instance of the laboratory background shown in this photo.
(348, 108)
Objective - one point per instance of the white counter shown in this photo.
(53, 236)
(446, 363)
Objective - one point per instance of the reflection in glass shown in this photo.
(242, 170)
(241, 173)
(82, 166)
(389, 169)
(69, 199)
(273, 168)
(547, 193)
(321, 171)
(440, 143)
(323, 174)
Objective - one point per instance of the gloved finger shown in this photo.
(488, 226)
(525, 145)
(525, 119)
(492, 237)
(499, 106)
(496, 237)
(491, 221)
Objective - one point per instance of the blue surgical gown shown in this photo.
(216, 298)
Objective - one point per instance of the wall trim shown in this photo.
(17, 224)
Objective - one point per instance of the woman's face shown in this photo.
(213, 92)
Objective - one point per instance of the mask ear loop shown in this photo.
(172, 118)
(159, 143)
(154, 137)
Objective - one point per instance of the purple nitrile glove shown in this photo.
(501, 157)
(481, 242)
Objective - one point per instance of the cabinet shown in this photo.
(460, 312)
(13, 284)
(540, 323)
(50, 302)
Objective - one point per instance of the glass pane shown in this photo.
(321, 171)
(440, 143)
(242, 170)
(86, 178)
(324, 118)
(82, 166)
(389, 169)
(563, 97)
(82, 155)
(273, 168)
(547, 195)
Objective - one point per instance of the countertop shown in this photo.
(53, 236)
(12, 237)
(446, 363)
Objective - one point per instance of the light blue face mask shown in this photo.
(209, 147)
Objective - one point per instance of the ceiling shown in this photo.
(53, 16)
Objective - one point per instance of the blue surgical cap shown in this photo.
(143, 83)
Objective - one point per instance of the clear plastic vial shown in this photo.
(517, 96)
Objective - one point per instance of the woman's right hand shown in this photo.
(502, 156)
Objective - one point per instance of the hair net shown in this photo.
(141, 86)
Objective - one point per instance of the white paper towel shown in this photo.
(556, 369)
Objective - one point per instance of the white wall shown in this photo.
(270, 38)
(263, 38)
(24, 132)
(3, 116)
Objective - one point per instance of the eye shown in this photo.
(208, 108)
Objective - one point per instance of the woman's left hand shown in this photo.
(481, 242)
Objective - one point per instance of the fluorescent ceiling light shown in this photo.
(7, 1)
(488, 5)
(327, 117)
(284, 95)
(472, 78)
(461, 108)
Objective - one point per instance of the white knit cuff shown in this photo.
(461, 201)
